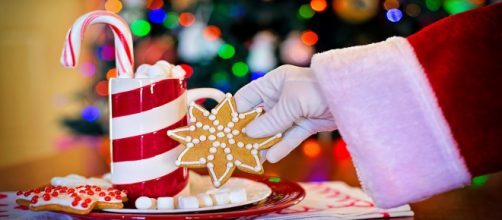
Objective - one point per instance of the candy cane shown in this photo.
(122, 35)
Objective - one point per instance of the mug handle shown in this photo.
(200, 93)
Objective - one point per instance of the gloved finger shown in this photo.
(277, 120)
(293, 137)
(248, 97)
(263, 155)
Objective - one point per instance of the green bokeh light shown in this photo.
(274, 179)
(240, 69)
(140, 27)
(226, 51)
(171, 21)
(305, 11)
(433, 5)
(219, 77)
(457, 6)
(479, 180)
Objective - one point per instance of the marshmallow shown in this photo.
(165, 66)
(178, 72)
(144, 203)
(220, 198)
(238, 196)
(156, 71)
(165, 203)
(205, 200)
(188, 202)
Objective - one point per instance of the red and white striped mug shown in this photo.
(143, 156)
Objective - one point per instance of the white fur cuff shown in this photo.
(387, 113)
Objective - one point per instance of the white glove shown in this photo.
(294, 104)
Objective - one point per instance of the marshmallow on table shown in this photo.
(145, 203)
(220, 198)
(188, 202)
(238, 196)
(165, 203)
(205, 200)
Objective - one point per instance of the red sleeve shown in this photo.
(462, 58)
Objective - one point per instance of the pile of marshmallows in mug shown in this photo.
(207, 199)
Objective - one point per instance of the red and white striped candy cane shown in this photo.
(123, 41)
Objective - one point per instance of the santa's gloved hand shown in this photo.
(293, 103)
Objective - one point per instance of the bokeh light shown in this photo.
(186, 19)
(226, 51)
(87, 69)
(340, 150)
(458, 6)
(413, 10)
(188, 70)
(111, 73)
(311, 148)
(171, 20)
(257, 74)
(220, 80)
(157, 16)
(140, 27)
(240, 69)
(113, 5)
(318, 5)
(90, 113)
(390, 4)
(102, 88)
(305, 11)
(154, 4)
(479, 180)
(212, 32)
(106, 52)
(394, 15)
(433, 5)
(309, 38)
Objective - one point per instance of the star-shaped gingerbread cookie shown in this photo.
(217, 140)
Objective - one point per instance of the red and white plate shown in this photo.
(265, 195)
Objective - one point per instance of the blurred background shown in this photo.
(55, 121)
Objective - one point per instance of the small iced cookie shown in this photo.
(205, 200)
(217, 140)
(165, 203)
(238, 196)
(145, 203)
(188, 202)
(220, 198)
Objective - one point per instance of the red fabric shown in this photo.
(462, 57)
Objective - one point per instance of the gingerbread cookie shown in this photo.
(217, 140)
(77, 200)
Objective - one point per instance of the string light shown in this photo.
(212, 32)
(305, 11)
(113, 5)
(311, 148)
(157, 16)
(154, 4)
(102, 88)
(226, 51)
(90, 113)
(188, 70)
(394, 15)
(318, 5)
(111, 73)
(171, 21)
(186, 19)
(140, 27)
(309, 38)
(240, 69)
